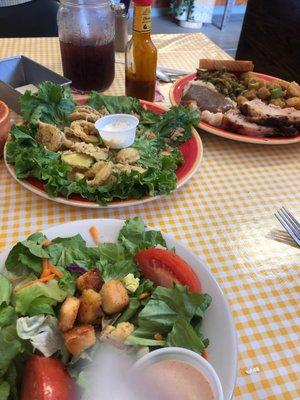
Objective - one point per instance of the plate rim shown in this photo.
(120, 203)
(115, 223)
(227, 134)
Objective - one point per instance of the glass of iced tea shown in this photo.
(86, 34)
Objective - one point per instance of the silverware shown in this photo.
(163, 73)
(290, 224)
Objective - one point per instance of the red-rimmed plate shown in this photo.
(176, 93)
(191, 150)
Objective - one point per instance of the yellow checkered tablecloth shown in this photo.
(224, 214)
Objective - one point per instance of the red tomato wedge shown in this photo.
(164, 268)
(47, 379)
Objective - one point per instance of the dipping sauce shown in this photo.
(117, 130)
(180, 381)
(116, 126)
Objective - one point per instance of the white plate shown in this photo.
(218, 325)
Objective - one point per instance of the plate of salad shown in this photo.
(73, 288)
(58, 154)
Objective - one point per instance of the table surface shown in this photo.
(224, 214)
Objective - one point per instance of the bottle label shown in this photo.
(142, 19)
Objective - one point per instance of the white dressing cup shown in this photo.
(188, 356)
(117, 130)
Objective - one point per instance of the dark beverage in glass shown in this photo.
(89, 66)
(86, 32)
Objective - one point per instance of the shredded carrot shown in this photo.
(45, 268)
(24, 285)
(95, 234)
(49, 269)
(42, 279)
(46, 278)
(55, 270)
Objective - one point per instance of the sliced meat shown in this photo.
(238, 123)
(207, 99)
(269, 114)
(214, 119)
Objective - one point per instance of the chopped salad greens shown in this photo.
(62, 299)
(59, 145)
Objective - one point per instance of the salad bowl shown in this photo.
(217, 325)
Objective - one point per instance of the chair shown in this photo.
(36, 18)
(270, 37)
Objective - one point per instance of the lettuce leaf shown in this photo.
(71, 250)
(41, 305)
(4, 390)
(5, 290)
(115, 104)
(9, 349)
(117, 270)
(27, 254)
(183, 335)
(133, 236)
(163, 311)
(13, 380)
(51, 104)
(42, 332)
(7, 316)
(23, 298)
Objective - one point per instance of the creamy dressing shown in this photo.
(180, 381)
(117, 126)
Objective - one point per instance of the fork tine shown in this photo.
(292, 225)
(291, 217)
(287, 227)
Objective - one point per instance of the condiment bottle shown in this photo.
(121, 37)
(141, 55)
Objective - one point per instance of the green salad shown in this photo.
(63, 300)
(59, 145)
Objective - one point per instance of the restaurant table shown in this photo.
(224, 214)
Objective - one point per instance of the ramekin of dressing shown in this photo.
(117, 130)
(179, 374)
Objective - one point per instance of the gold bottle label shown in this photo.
(142, 19)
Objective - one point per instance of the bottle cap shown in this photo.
(143, 2)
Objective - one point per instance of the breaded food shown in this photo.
(86, 113)
(85, 130)
(79, 339)
(102, 171)
(90, 307)
(77, 160)
(128, 156)
(116, 334)
(68, 313)
(89, 280)
(229, 65)
(49, 136)
(114, 297)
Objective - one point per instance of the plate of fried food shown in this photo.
(58, 153)
(239, 104)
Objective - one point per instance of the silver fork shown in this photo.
(290, 224)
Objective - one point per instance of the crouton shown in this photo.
(79, 339)
(114, 297)
(89, 280)
(116, 335)
(68, 313)
(89, 310)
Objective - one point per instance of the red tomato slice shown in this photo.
(164, 268)
(47, 379)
